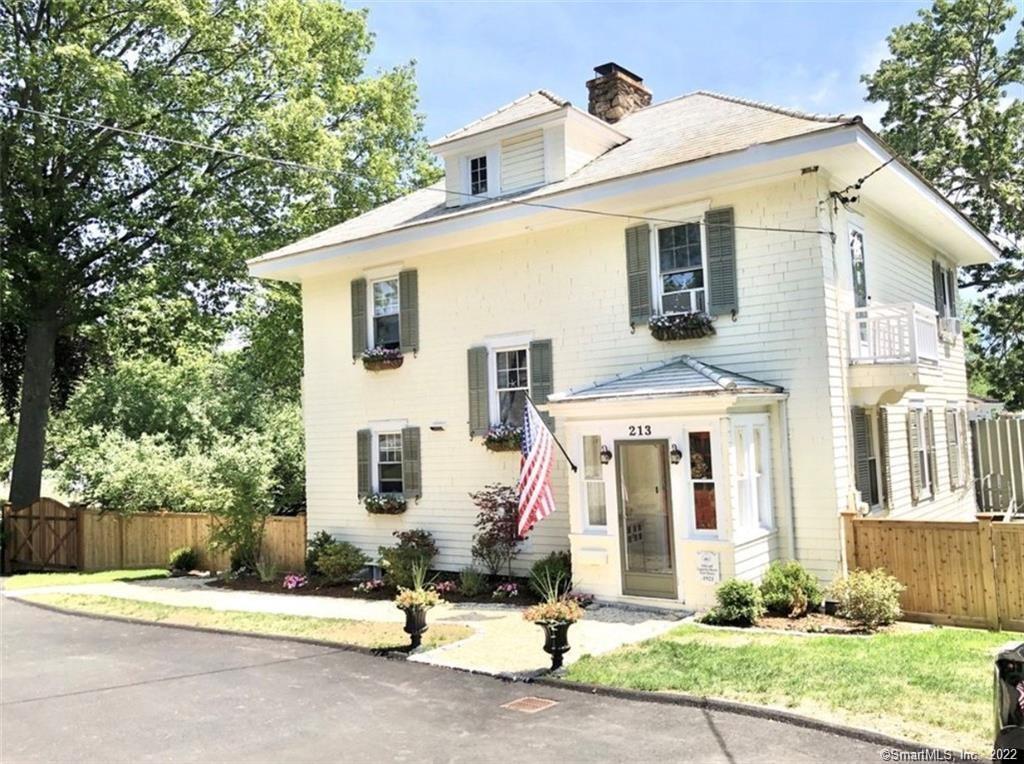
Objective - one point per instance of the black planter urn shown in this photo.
(415, 625)
(556, 641)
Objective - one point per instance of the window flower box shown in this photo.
(503, 438)
(681, 326)
(378, 358)
(385, 504)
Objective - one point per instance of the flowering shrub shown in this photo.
(504, 438)
(581, 599)
(496, 541)
(294, 581)
(446, 587)
(382, 354)
(506, 591)
(681, 326)
(554, 611)
(384, 504)
(373, 585)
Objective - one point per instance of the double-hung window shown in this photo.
(702, 482)
(922, 450)
(389, 462)
(512, 384)
(680, 261)
(478, 175)
(385, 299)
(753, 472)
(593, 483)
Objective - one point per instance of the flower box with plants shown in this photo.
(385, 504)
(415, 602)
(681, 326)
(503, 438)
(378, 358)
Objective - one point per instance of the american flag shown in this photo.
(535, 499)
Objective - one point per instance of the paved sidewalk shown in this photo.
(502, 643)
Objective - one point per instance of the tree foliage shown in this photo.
(954, 108)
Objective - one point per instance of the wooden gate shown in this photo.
(41, 536)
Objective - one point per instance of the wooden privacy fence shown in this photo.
(107, 540)
(956, 573)
(997, 448)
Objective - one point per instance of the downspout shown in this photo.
(787, 466)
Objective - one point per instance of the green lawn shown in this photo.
(932, 685)
(32, 580)
(343, 632)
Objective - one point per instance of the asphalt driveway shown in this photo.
(77, 688)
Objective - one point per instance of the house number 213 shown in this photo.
(639, 429)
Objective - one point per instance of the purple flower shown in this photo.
(294, 581)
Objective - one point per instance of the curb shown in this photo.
(760, 712)
(373, 651)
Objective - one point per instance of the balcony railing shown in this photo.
(903, 333)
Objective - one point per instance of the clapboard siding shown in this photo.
(522, 161)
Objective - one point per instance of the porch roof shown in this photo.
(680, 376)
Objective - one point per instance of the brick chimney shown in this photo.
(615, 92)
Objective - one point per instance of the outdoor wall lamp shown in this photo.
(606, 454)
(675, 455)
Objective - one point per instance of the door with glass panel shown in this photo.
(645, 519)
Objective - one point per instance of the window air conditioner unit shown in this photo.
(950, 327)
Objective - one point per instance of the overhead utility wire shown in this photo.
(341, 173)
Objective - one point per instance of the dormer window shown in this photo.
(478, 175)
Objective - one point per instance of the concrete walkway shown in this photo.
(503, 643)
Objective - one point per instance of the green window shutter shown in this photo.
(408, 312)
(954, 289)
(542, 379)
(914, 445)
(937, 287)
(363, 441)
(638, 273)
(479, 394)
(952, 450)
(883, 456)
(721, 278)
(861, 452)
(358, 317)
(929, 423)
(412, 474)
(965, 452)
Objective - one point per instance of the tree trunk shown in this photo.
(27, 475)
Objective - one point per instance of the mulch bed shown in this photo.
(815, 623)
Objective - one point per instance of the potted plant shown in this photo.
(415, 603)
(554, 615)
(681, 326)
(385, 504)
(503, 438)
(378, 358)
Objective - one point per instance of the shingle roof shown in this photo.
(530, 105)
(679, 376)
(684, 129)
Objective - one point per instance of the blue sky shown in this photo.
(472, 57)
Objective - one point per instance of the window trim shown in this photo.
(370, 328)
(947, 277)
(856, 225)
(487, 174)
(765, 519)
(493, 398)
(375, 461)
(873, 416)
(585, 482)
(928, 487)
(656, 282)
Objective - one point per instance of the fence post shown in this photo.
(987, 554)
(849, 541)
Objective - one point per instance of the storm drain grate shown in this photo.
(530, 705)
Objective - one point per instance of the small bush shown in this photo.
(340, 561)
(789, 590)
(266, 569)
(553, 571)
(869, 598)
(320, 541)
(414, 547)
(182, 560)
(739, 604)
(472, 582)
(496, 542)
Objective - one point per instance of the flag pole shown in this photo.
(557, 441)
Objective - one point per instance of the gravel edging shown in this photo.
(760, 712)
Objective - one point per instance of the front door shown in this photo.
(645, 519)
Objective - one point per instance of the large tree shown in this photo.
(89, 212)
(952, 85)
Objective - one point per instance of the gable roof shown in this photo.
(684, 129)
(530, 105)
(683, 375)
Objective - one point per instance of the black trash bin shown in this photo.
(1009, 704)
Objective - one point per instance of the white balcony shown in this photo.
(893, 349)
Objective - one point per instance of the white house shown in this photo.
(822, 367)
